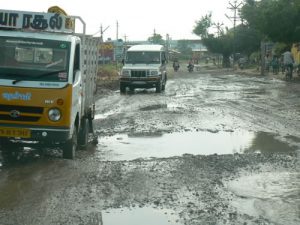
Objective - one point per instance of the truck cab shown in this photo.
(47, 82)
(144, 67)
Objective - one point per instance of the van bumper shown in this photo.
(140, 82)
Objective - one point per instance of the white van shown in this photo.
(144, 67)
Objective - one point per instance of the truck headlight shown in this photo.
(54, 114)
(154, 73)
(125, 73)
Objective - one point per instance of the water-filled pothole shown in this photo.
(272, 195)
(138, 216)
(147, 145)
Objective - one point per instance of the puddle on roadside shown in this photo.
(105, 115)
(274, 196)
(147, 145)
(138, 216)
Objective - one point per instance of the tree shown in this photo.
(246, 39)
(156, 39)
(202, 26)
(221, 45)
(278, 20)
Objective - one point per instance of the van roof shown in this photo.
(146, 48)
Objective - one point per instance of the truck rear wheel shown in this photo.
(70, 146)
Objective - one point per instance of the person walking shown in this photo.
(288, 60)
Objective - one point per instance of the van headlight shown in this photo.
(153, 73)
(54, 114)
(125, 73)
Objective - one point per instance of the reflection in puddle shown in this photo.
(146, 145)
(140, 216)
(274, 196)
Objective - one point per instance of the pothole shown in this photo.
(138, 216)
(159, 145)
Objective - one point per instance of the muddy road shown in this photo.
(214, 148)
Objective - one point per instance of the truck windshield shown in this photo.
(29, 59)
(143, 57)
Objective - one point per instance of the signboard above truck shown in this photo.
(36, 21)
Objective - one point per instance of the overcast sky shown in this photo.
(137, 18)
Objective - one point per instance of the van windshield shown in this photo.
(30, 59)
(143, 57)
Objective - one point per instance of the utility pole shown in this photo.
(234, 7)
(102, 42)
(218, 26)
(167, 44)
(117, 37)
(125, 43)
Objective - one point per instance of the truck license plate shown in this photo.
(14, 132)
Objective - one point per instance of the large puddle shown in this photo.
(274, 196)
(147, 145)
(140, 216)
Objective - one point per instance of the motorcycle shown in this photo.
(190, 68)
(176, 68)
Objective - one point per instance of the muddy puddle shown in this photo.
(273, 195)
(138, 216)
(158, 145)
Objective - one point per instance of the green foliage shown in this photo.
(247, 39)
(244, 39)
(202, 25)
(222, 45)
(279, 20)
(279, 48)
(156, 39)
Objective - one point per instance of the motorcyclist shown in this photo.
(190, 66)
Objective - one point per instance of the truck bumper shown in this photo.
(38, 134)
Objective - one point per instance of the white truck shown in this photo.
(47, 81)
(144, 67)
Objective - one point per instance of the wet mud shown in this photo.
(214, 148)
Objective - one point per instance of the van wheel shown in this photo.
(158, 87)
(164, 85)
(70, 146)
(122, 88)
(83, 135)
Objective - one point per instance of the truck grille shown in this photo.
(138, 73)
(20, 118)
(5, 111)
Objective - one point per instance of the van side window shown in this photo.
(76, 60)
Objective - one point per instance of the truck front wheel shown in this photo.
(83, 136)
(70, 146)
